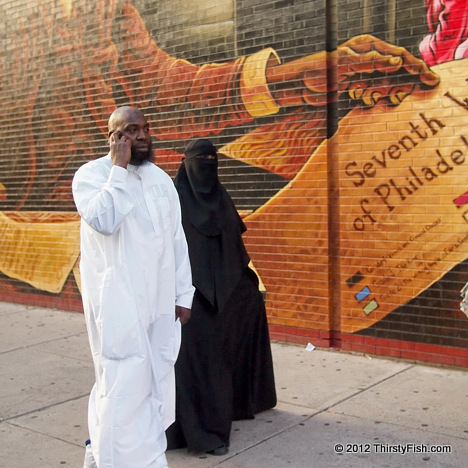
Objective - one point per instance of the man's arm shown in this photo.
(102, 198)
(183, 272)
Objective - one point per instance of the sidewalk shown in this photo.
(371, 406)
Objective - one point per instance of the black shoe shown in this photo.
(221, 450)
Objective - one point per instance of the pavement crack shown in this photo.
(45, 434)
(363, 390)
(38, 410)
(19, 348)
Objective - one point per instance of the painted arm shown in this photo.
(185, 100)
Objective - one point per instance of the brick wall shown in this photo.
(310, 176)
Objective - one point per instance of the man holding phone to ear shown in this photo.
(137, 291)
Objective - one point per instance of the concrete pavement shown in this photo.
(371, 408)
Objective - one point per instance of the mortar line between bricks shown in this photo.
(37, 410)
(320, 411)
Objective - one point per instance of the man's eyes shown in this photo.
(135, 130)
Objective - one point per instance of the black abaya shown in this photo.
(224, 371)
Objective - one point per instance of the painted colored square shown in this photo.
(370, 307)
(461, 200)
(362, 294)
(356, 278)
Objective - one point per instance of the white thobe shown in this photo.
(134, 270)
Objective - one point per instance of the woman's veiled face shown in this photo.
(202, 172)
(206, 156)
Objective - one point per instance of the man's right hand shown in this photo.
(183, 314)
(120, 149)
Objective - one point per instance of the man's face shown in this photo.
(141, 153)
(136, 129)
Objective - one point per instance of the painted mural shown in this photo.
(354, 218)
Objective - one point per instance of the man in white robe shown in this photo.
(136, 289)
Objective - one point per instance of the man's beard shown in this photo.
(138, 157)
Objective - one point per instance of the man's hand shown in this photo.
(120, 149)
(183, 314)
(368, 69)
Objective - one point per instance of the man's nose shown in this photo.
(141, 135)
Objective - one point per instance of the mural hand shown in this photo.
(377, 55)
(370, 69)
(367, 68)
(371, 92)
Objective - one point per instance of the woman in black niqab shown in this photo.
(224, 371)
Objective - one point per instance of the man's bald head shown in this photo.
(121, 116)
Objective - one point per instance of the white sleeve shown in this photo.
(183, 272)
(102, 203)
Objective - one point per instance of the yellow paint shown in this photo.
(68, 5)
(37, 251)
